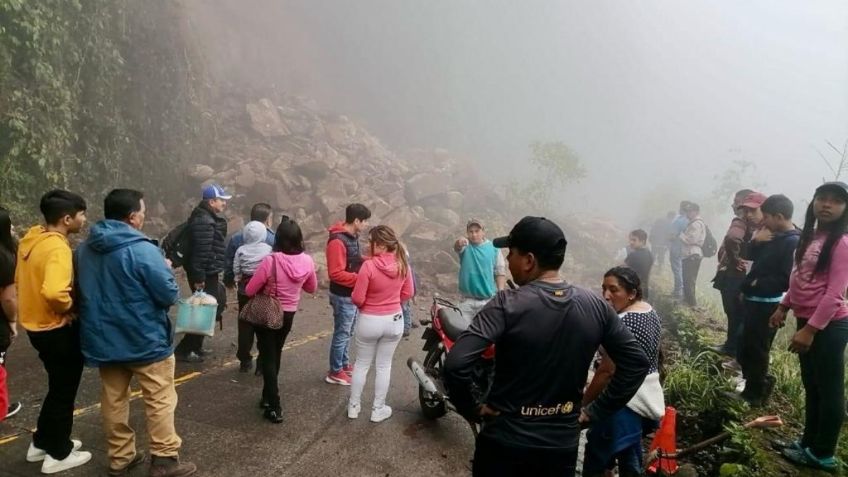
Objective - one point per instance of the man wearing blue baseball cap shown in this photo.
(207, 231)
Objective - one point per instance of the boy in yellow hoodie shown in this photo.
(44, 278)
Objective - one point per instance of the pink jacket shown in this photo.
(820, 298)
(379, 290)
(293, 273)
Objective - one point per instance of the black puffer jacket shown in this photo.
(207, 230)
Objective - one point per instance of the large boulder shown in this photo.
(424, 185)
(443, 216)
(202, 172)
(265, 119)
(447, 282)
(399, 220)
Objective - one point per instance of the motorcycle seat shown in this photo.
(453, 322)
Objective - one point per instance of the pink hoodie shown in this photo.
(293, 273)
(820, 298)
(379, 290)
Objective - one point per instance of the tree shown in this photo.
(839, 167)
(555, 165)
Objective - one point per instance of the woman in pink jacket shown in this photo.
(382, 284)
(281, 275)
(816, 297)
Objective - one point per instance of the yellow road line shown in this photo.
(177, 381)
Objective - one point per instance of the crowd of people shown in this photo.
(105, 305)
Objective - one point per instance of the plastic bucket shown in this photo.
(195, 319)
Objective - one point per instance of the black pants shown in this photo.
(194, 343)
(492, 459)
(735, 311)
(245, 334)
(59, 350)
(691, 265)
(755, 347)
(270, 343)
(823, 375)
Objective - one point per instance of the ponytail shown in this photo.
(384, 235)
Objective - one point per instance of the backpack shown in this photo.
(710, 247)
(175, 245)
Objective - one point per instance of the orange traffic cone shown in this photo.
(665, 443)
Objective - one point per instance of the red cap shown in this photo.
(754, 200)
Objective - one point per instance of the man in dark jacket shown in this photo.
(260, 212)
(125, 288)
(772, 250)
(546, 334)
(732, 267)
(207, 230)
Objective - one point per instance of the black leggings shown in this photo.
(823, 375)
(270, 343)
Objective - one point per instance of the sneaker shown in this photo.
(139, 458)
(340, 377)
(353, 410)
(405, 333)
(191, 357)
(414, 324)
(246, 366)
(34, 454)
(348, 368)
(14, 408)
(275, 416)
(205, 351)
(806, 458)
(380, 414)
(170, 467)
(74, 459)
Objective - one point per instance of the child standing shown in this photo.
(817, 298)
(772, 250)
(382, 284)
(246, 261)
(640, 259)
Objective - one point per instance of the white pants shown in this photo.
(376, 336)
(471, 306)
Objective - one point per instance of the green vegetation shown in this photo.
(556, 165)
(93, 94)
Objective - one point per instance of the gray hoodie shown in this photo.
(249, 255)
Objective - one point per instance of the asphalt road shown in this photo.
(222, 428)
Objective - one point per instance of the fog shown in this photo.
(653, 95)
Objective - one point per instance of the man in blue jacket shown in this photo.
(125, 288)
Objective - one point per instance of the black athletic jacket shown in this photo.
(545, 337)
(772, 266)
(207, 231)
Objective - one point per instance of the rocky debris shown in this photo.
(309, 164)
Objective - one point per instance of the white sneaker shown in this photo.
(353, 410)
(74, 459)
(380, 414)
(34, 454)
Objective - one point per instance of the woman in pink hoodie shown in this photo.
(382, 284)
(280, 275)
(817, 298)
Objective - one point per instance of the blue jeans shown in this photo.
(344, 314)
(675, 259)
(616, 440)
(406, 308)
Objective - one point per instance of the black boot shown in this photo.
(274, 415)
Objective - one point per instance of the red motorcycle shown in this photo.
(442, 329)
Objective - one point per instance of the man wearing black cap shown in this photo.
(546, 334)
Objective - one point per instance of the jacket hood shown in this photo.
(297, 267)
(110, 235)
(338, 228)
(386, 263)
(254, 232)
(34, 236)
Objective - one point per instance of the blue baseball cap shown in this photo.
(214, 191)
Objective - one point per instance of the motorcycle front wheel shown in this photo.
(431, 406)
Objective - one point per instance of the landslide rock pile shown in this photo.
(310, 164)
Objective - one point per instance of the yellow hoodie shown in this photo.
(44, 275)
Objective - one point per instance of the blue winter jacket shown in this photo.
(124, 289)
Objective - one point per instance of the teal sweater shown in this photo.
(477, 270)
